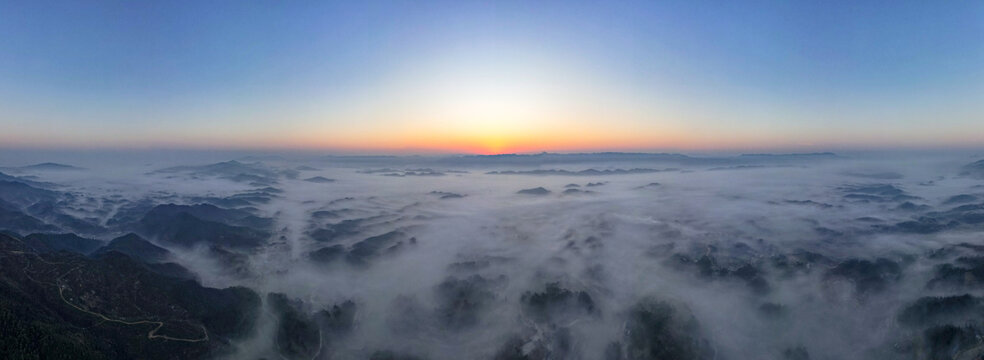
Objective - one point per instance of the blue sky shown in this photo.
(393, 76)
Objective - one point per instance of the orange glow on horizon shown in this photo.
(571, 140)
(436, 143)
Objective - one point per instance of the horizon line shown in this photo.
(441, 152)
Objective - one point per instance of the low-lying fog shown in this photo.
(603, 256)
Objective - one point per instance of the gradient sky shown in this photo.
(490, 77)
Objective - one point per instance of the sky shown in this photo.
(491, 76)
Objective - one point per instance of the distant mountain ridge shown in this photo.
(581, 158)
(586, 172)
(44, 166)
